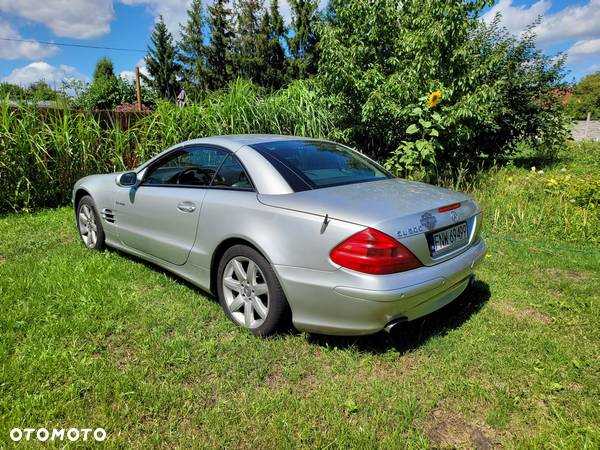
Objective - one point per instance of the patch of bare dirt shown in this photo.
(388, 370)
(308, 382)
(523, 313)
(120, 350)
(568, 274)
(448, 430)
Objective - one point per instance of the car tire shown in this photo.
(89, 225)
(239, 293)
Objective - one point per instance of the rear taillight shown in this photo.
(371, 251)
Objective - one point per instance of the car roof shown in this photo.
(244, 139)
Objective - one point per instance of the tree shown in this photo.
(303, 40)
(40, 90)
(586, 98)
(381, 59)
(12, 91)
(270, 49)
(104, 70)
(192, 51)
(247, 63)
(161, 62)
(218, 53)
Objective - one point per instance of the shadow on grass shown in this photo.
(405, 337)
(411, 335)
(158, 269)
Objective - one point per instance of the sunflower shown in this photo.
(434, 98)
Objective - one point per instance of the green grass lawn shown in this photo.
(104, 340)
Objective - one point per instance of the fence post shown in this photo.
(587, 125)
(137, 88)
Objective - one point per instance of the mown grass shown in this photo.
(104, 340)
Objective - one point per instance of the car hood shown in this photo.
(368, 203)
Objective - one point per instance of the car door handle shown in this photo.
(186, 207)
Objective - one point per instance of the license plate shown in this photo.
(445, 240)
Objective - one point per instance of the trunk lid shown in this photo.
(405, 210)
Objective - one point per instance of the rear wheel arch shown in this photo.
(220, 251)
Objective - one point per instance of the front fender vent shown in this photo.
(108, 215)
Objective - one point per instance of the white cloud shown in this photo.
(572, 22)
(517, 18)
(81, 19)
(40, 70)
(585, 49)
(130, 74)
(127, 75)
(17, 50)
(87, 19)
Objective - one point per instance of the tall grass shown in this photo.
(42, 153)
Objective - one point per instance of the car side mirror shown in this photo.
(127, 179)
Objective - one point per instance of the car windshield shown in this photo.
(316, 164)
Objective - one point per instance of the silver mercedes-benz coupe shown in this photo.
(285, 228)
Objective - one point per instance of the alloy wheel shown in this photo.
(87, 225)
(246, 292)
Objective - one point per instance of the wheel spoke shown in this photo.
(94, 237)
(236, 304)
(260, 289)
(251, 273)
(259, 307)
(239, 270)
(83, 220)
(232, 284)
(82, 229)
(248, 314)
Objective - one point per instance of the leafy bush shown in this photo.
(585, 98)
(109, 92)
(379, 60)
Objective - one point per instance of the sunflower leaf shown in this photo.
(412, 129)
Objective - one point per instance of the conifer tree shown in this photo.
(104, 70)
(303, 40)
(192, 51)
(161, 62)
(218, 53)
(247, 63)
(270, 49)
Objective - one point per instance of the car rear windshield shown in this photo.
(316, 164)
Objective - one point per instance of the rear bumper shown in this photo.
(344, 302)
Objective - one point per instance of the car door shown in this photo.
(160, 216)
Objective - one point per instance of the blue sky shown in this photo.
(570, 26)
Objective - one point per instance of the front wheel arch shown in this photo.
(79, 194)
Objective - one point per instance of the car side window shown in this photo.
(232, 174)
(191, 166)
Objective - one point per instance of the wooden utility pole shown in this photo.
(137, 88)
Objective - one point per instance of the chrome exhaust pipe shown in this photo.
(393, 323)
